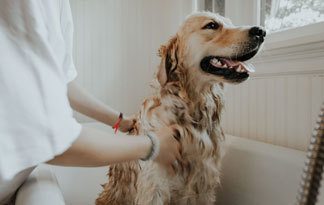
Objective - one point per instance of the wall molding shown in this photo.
(296, 52)
(296, 60)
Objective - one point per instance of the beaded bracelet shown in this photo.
(118, 123)
(155, 148)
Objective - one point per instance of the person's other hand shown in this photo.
(126, 124)
(169, 154)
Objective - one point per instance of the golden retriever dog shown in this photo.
(206, 52)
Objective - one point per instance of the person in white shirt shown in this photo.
(37, 91)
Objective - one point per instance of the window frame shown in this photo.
(284, 38)
(293, 37)
(296, 36)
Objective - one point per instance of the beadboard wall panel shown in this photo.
(280, 110)
(116, 44)
(280, 102)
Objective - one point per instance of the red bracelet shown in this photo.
(118, 123)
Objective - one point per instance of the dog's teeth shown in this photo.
(238, 69)
(214, 60)
(219, 63)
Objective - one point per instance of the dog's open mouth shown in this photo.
(231, 69)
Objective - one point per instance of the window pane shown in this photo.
(284, 14)
(216, 6)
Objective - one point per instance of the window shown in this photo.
(279, 15)
(216, 6)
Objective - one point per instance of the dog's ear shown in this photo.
(169, 61)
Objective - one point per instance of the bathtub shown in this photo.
(253, 173)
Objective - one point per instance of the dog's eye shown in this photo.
(211, 25)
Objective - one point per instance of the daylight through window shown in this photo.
(278, 15)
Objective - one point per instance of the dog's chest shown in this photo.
(196, 127)
(200, 137)
(198, 132)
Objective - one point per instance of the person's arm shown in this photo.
(95, 148)
(86, 104)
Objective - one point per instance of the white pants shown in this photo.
(36, 186)
(9, 188)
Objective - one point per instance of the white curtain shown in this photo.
(115, 46)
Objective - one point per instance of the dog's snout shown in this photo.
(257, 33)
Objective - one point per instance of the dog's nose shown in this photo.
(257, 33)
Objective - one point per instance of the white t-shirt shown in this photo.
(36, 120)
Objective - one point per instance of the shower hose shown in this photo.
(312, 172)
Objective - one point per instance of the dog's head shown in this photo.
(209, 49)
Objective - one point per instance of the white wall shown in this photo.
(115, 46)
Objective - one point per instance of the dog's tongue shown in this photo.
(248, 67)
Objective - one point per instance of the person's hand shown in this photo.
(169, 154)
(126, 124)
